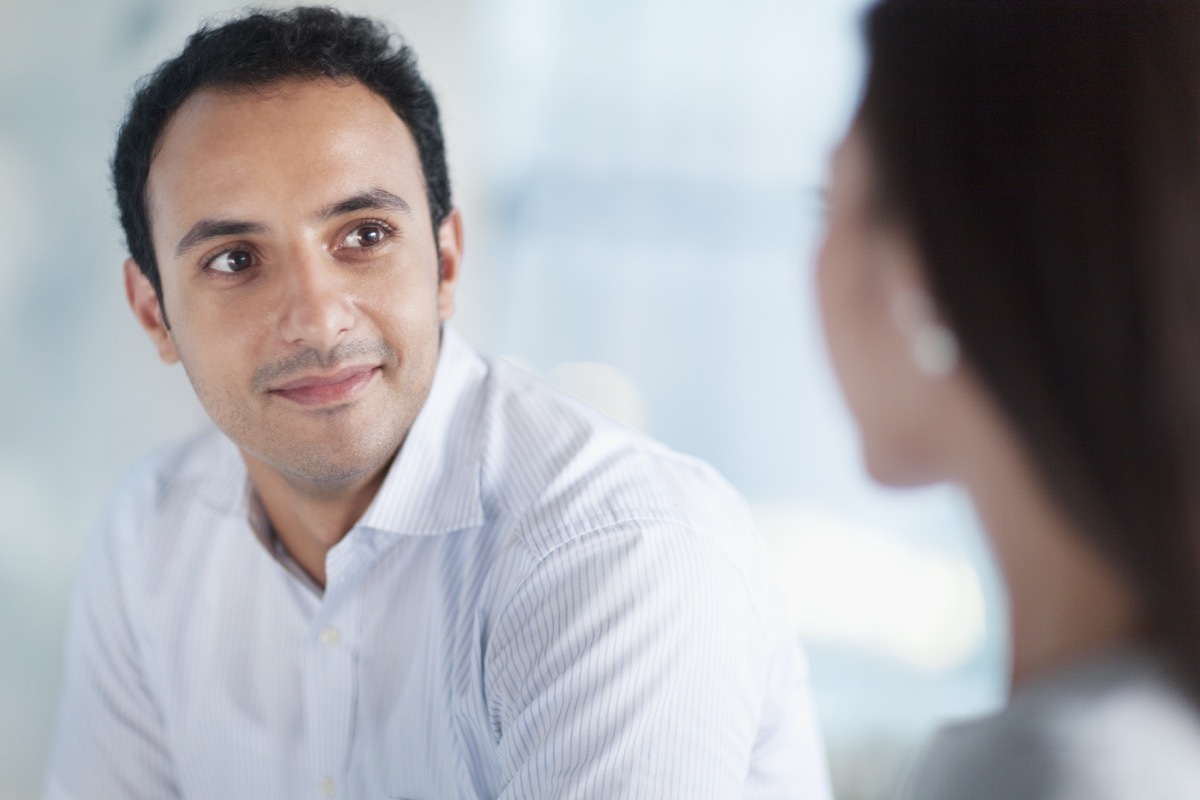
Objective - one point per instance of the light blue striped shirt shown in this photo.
(538, 603)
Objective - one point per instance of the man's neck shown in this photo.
(310, 520)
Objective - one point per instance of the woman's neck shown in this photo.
(1066, 600)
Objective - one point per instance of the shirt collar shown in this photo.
(433, 485)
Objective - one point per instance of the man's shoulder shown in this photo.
(561, 469)
(203, 467)
(163, 511)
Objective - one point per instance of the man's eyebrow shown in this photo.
(207, 229)
(380, 199)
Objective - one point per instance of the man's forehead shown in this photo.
(222, 111)
(313, 141)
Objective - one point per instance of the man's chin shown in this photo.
(323, 469)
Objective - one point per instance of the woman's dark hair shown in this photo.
(1045, 157)
(259, 49)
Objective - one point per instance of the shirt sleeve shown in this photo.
(109, 740)
(632, 662)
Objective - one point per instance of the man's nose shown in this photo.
(318, 310)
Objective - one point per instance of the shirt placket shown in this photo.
(330, 673)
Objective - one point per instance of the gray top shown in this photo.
(1116, 727)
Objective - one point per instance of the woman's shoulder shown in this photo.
(1117, 727)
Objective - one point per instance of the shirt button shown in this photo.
(330, 636)
(327, 786)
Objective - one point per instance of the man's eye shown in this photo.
(365, 236)
(232, 261)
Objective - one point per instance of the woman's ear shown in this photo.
(931, 343)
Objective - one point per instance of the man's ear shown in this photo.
(450, 250)
(146, 308)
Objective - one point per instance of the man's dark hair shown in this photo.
(259, 49)
(1045, 158)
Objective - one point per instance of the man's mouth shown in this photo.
(324, 390)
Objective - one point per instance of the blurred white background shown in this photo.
(639, 182)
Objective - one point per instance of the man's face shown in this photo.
(299, 273)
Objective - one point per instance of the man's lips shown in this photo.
(321, 390)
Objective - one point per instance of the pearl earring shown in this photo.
(934, 347)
